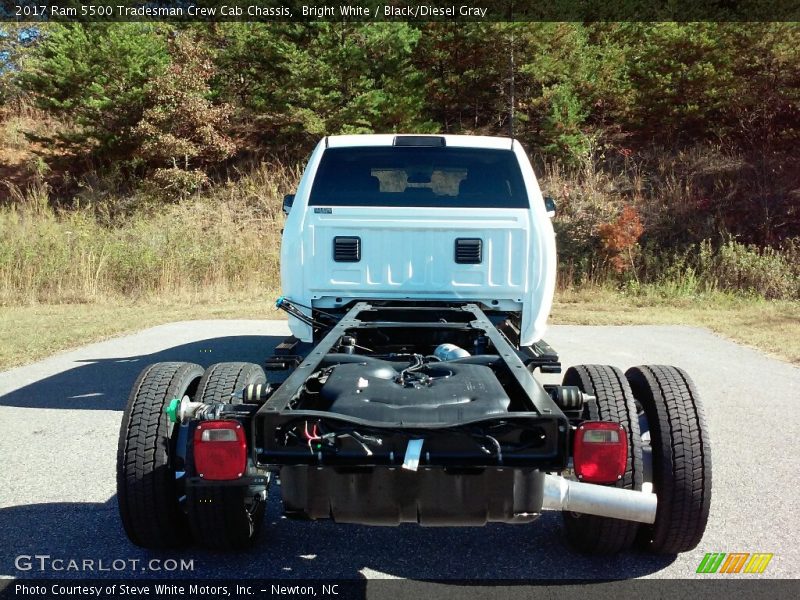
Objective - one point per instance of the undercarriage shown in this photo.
(429, 414)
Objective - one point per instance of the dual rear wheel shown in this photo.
(662, 413)
(159, 511)
(157, 508)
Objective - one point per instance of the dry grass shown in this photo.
(215, 244)
(771, 326)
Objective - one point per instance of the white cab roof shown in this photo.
(387, 139)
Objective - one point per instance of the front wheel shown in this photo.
(681, 457)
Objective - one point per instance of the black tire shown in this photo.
(226, 517)
(223, 379)
(681, 457)
(147, 492)
(614, 402)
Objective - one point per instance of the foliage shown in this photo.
(295, 83)
(577, 87)
(15, 43)
(764, 272)
(669, 147)
(561, 127)
(619, 238)
(177, 182)
(181, 132)
(96, 77)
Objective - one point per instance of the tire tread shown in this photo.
(146, 496)
(681, 457)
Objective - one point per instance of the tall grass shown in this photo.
(219, 243)
(729, 267)
(225, 242)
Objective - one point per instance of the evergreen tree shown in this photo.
(95, 76)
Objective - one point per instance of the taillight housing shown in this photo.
(220, 450)
(600, 453)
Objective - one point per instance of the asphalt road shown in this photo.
(59, 420)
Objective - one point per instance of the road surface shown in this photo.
(59, 420)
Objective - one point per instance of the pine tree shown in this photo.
(96, 77)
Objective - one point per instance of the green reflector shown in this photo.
(172, 409)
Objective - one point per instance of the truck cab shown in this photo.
(420, 219)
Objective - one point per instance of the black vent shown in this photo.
(469, 251)
(347, 249)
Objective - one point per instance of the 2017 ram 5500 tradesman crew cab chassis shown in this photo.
(418, 273)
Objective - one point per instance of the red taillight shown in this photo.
(601, 451)
(220, 450)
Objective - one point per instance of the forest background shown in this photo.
(142, 165)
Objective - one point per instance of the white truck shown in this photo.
(454, 218)
(418, 273)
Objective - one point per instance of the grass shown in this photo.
(772, 326)
(28, 333)
(223, 241)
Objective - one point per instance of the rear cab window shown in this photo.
(419, 177)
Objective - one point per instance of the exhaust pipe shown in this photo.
(591, 499)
